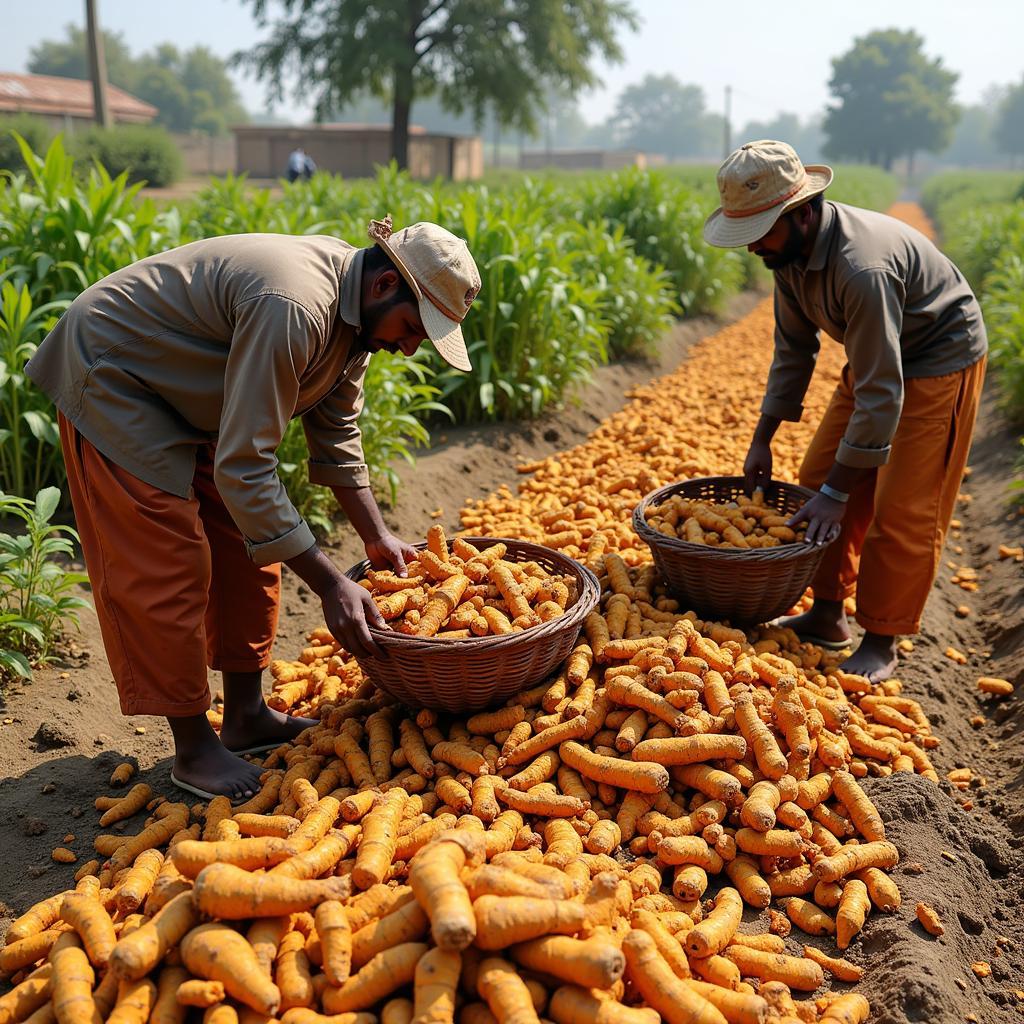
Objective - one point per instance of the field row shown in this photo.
(981, 219)
(577, 270)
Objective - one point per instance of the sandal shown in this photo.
(203, 794)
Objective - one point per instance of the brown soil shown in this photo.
(63, 733)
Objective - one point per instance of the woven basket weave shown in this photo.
(745, 587)
(478, 672)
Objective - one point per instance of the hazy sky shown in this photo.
(775, 55)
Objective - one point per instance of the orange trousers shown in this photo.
(174, 589)
(895, 524)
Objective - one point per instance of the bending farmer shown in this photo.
(175, 379)
(888, 457)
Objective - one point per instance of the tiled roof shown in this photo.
(47, 94)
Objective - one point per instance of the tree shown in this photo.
(475, 55)
(191, 91)
(160, 86)
(973, 144)
(563, 122)
(70, 58)
(1008, 130)
(804, 136)
(659, 114)
(892, 100)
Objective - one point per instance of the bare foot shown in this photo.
(243, 729)
(875, 659)
(211, 768)
(826, 620)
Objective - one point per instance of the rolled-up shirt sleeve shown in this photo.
(873, 301)
(332, 433)
(796, 352)
(272, 343)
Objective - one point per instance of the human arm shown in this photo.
(336, 461)
(757, 467)
(348, 607)
(796, 352)
(272, 342)
(383, 548)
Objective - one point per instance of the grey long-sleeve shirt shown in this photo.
(223, 340)
(898, 305)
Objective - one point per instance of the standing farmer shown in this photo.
(889, 455)
(175, 379)
(300, 165)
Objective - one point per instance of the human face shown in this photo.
(783, 244)
(391, 325)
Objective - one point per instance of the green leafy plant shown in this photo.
(230, 206)
(949, 195)
(1017, 485)
(981, 217)
(665, 221)
(145, 153)
(314, 503)
(34, 130)
(399, 400)
(29, 442)
(636, 296)
(37, 601)
(61, 232)
(536, 329)
(1003, 302)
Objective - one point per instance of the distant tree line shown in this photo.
(456, 66)
(889, 102)
(191, 89)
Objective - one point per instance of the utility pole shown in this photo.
(727, 129)
(97, 65)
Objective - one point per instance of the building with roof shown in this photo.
(355, 150)
(67, 103)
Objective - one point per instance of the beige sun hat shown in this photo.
(442, 275)
(758, 183)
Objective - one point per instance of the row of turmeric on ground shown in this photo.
(549, 860)
(694, 422)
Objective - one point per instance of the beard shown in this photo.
(789, 253)
(370, 318)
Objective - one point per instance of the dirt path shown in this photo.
(965, 843)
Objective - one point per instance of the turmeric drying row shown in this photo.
(551, 857)
(694, 422)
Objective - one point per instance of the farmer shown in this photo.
(300, 165)
(888, 457)
(175, 379)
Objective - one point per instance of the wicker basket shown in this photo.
(477, 672)
(745, 587)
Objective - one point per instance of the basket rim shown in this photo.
(675, 545)
(586, 601)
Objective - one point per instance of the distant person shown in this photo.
(888, 458)
(175, 379)
(300, 165)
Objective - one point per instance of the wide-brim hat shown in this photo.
(758, 183)
(443, 276)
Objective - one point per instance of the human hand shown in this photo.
(349, 611)
(757, 467)
(389, 552)
(824, 518)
